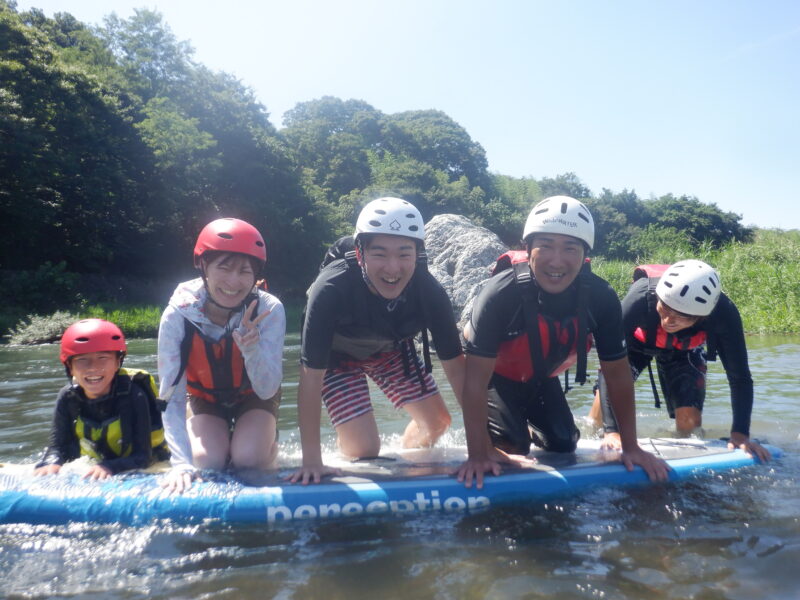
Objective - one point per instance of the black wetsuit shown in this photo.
(682, 373)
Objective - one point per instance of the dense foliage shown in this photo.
(116, 147)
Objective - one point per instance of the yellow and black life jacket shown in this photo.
(112, 437)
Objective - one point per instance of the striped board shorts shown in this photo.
(345, 390)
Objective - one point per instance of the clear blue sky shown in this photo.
(696, 97)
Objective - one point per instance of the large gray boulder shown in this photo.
(461, 256)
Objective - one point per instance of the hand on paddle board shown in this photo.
(47, 470)
(96, 472)
(312, 474)
(178, 480)
(247, 332)
(656, 468)
(750, 447)
(476, 468)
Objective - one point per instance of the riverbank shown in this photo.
(761, 277)
(137, 322)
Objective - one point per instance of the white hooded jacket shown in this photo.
(263, 361)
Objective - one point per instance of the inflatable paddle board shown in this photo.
(404, 482)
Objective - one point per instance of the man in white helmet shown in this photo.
(528, 324)
(362, 314)
(679, 315)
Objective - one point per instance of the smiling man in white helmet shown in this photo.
(362, 314)
(530, 323)
(679, 315)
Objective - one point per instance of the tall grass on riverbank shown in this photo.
(762, 278)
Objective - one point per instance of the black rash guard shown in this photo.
(345, 321)
(64, 445)
(497, 314)
(724, 330)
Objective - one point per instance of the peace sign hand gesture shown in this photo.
(247, 333)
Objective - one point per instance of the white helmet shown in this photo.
(563, 215)
(391, 216)
(691, 287)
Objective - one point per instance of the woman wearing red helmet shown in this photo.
(220, 346)
(101, 413)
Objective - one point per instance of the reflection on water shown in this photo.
(731, 536)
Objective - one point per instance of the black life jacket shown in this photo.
(549, 346)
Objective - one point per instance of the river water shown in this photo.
(731, 536)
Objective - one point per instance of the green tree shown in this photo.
(433, 138)
(74, 169)
(153, 60)
(698, 221)
(567, 184)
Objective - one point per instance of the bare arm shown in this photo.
(309, 408)
(454, 369)
(621, 396)
(478, 372)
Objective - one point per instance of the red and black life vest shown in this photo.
(653, 335)
(215, 370)
(549, 346)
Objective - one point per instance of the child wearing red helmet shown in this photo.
(101, 413)
(220, 345)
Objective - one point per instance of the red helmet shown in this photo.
(91, 335)
(230, 235)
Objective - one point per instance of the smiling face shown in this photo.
(672, 320)
(555, 260)
(230, 278)
(94, 372)
(389, 261)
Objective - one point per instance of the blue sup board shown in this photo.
(405, 482)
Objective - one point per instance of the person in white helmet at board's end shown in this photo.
(679, 315)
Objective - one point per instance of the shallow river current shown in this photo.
(730, 536)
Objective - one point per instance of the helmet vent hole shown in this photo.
(563, 208)
(706, 290)
(583, 216)
(82, 339)
(542, 210)
(410, 216)
(115, 337)
(684, 290)
(375, 223)
(668, 284)
(413, 228)
(380, 211)
(712, 282)
(225, 236)
(700, 300)
(259, 243)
